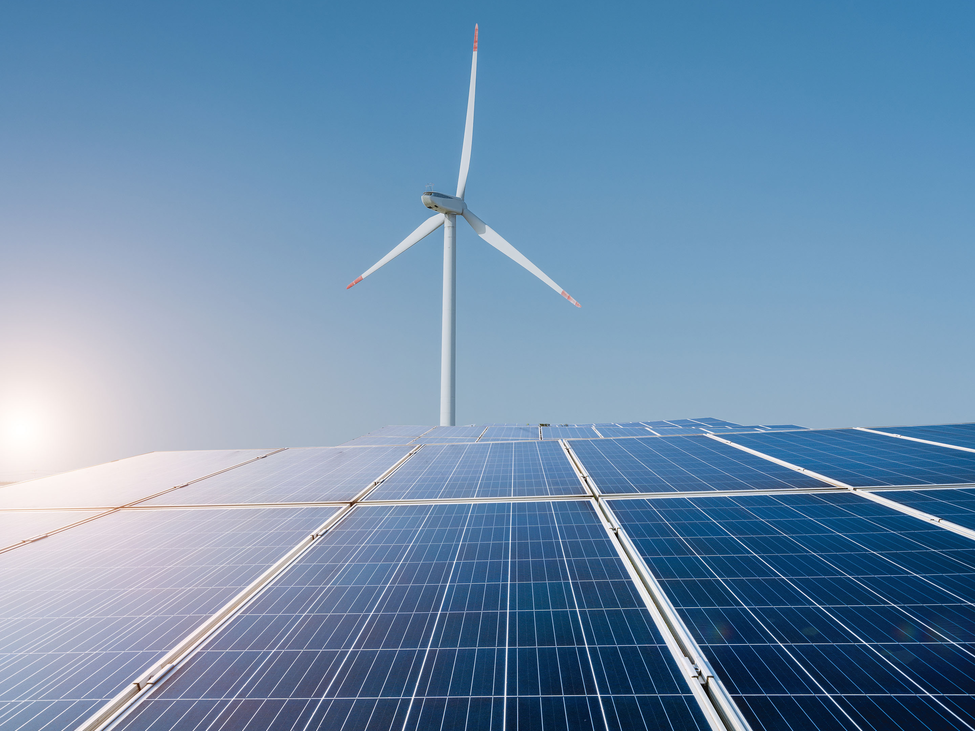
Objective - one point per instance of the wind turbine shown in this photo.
(448, 207)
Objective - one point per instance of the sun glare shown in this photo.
(20, 430)
(23, 427)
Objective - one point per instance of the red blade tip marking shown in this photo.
(354, 283)
(475, 37)
(566, 295)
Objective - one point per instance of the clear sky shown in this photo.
(765, 209)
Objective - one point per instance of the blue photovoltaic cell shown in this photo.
(959, 435)
(676, 431)
(820, 611)
(861, 459)
(500, 469)
(716, 422)
(314, 474)
(86, 611)
(122, 482)
(680, 464)
(956, 504)
(609, 432)
(16, 526)
(444, 440)
(494, 433)
(486, 616)
(568, 432)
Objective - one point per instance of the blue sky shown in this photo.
(765, 209)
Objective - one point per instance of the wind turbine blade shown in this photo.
(424, 229)
(491, 236)
(465, 155)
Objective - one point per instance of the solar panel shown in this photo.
(316, 474)
(956, 504)
(708, 421)
(499, 469)
(444, 440)
(820, 611)
(497, 433)
(677, 431)
(568, 432)
(488, 616)
(413, 430)
(122, 482)
(470, 432)
(680, 464)
(861, 459)
(959, 435)
(816, 606)
(368, 441)
(17, 526)
(624, 431)
(85, 611)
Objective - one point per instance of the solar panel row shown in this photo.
(821, 610)
(84, 612)
(486, 616)
(500, 469)
(865, 459)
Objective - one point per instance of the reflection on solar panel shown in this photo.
(489, 616)
(454, 432)
(294, 475)
(443, 440)
(708, 421)
(959, 435)
(368, 441)
(956, 505)
(400, 431)
(508, 596)
(21, 525)
(494, 433)
(568, 432)
(820, 611)
(861, 458)
(87, 610)
(500, 469)
(122, 482)
(624, 431)
(680, 464)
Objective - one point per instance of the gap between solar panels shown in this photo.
(913, 439)
(711, 694)
(159, 671)
(866, 492)
(39, 536)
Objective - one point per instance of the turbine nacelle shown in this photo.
(443, 203)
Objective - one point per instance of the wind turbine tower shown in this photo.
(447, 208)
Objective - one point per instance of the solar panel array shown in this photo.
(688, 574)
